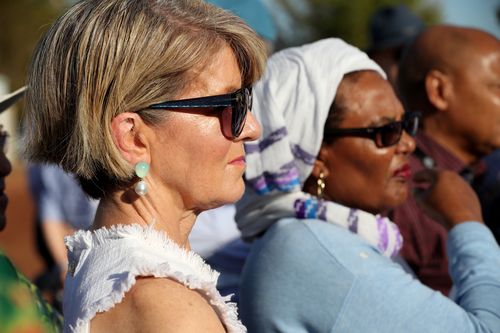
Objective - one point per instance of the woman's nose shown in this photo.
(251, 130)
(406, 144)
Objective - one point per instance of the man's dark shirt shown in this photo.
(488, 190)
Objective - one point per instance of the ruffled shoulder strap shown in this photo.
(112, 258)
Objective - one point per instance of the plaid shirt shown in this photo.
(424, 245)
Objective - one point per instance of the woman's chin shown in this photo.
(390, 202)
(229, 198)
(398, 198)
(235, 192)
(232, 199)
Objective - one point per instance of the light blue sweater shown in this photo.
(311, 276)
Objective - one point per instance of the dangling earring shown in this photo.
(141, 170)
(321, 185)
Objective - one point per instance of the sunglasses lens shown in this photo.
(227, 119)
(389, 134)
(240, 108)
(411, 124)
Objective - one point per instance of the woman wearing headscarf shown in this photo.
(332, 159)
(147, 103)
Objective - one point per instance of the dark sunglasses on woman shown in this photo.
(383, 136)
(234, 108)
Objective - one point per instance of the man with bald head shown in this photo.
(452, 76)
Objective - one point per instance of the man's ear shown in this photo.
(129, 135)
(439, 89)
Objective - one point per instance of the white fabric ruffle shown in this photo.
(104, 265)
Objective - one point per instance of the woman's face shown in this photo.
(361, 175)
(192, 158)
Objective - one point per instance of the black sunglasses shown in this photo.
(383, 136)
(234, 108)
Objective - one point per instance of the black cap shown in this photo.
(393, 26)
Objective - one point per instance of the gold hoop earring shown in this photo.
(320, 185)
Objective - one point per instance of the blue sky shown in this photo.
(474, 13)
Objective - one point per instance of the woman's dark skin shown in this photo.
(5, 169)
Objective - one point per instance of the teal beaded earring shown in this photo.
(141, 170)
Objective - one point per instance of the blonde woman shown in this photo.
(146, 102)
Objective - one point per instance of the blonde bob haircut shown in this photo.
(105, 57)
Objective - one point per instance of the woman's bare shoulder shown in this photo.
(160, 305)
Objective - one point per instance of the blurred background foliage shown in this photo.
(22, 22)
(347, 19)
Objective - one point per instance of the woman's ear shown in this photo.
(129, 135)
(310, 184)
(438, 88)
(320, 165)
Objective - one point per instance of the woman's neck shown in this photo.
(124, 207)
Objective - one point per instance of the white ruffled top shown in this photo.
(104, 265)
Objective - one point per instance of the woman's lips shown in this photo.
(403, 172)
(238, 161)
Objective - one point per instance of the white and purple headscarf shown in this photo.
(292, 102)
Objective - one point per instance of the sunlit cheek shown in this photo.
(212, 141)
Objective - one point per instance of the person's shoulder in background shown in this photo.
(22, 307)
